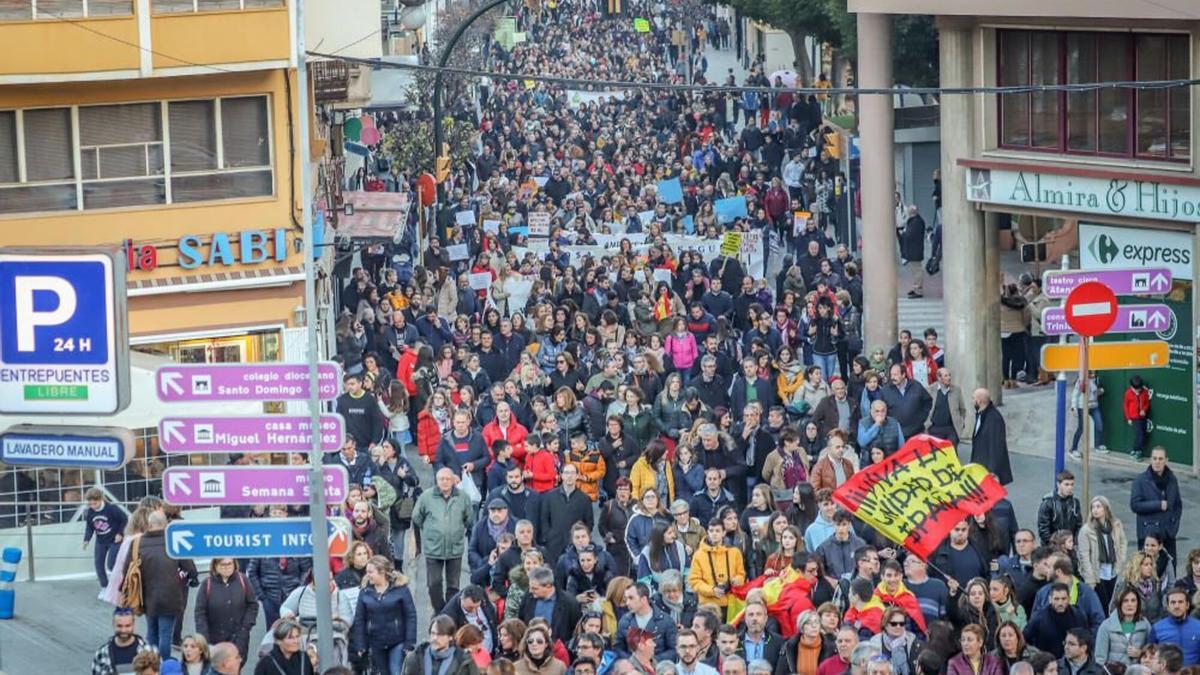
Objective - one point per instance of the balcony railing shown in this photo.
(50, 10)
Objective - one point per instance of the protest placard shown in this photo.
(670, 191)
(539, 224)
(457, 252)
(730, 209)
(481, 280)
(464, 218)
(492, 226)
(731, 244)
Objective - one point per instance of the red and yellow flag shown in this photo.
(788, 595)
(662, 308)
(917, 495)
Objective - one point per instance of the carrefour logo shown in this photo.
(1103, 248)
(1106, 249)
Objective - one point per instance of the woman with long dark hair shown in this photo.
(803, 510)
(663, 552)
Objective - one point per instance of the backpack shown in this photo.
(131, 587)
(241, 579)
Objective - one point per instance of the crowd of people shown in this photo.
(627, 448)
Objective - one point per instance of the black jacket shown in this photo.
(912, 241)
(275, 663)
(713, 393)
(454, 610)
(665, 634)
(558, 512)
(383, 621)
(910, 408)
(482, 543)
(161, 575)
(1058, 513)
(1145, 500)
(563, 617)
(364, 420)
(461, 663)
(767, 395)
(273, 580)
(226, 610)
(771, 650)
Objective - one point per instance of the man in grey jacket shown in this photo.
(838, 550)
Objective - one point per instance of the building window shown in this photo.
(134, 154)
(50, 10)
(1150, 124)
(188, 6)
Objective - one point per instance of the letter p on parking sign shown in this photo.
(64, 346)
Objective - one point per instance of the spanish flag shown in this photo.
(788, 595)
(919, 493)
(662, 308)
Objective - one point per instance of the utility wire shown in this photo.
(579, 83)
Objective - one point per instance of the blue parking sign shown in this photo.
(63, 339)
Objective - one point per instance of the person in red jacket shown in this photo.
(776, 202)
(1137, 414)
(505, 426)
(541, 467)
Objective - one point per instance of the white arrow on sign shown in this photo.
(178, 482)
(171, 381)
(1157, 320)
(171, 431)
(181, 540)
(1159, 282)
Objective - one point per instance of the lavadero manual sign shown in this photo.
(1173, 411)
(1127, 197)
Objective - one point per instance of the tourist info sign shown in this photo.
(1130, 319)
(64, 344)
(245, 382)
(248, 433)
(252, 538)
(1141, 281)
(248, 485)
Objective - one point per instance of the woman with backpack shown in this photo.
(226, 608)
(385, 621)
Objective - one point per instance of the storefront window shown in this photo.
(1151, 123)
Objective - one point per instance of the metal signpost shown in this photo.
(255, 433)
(255, 538)
(64, 342)
(248, 485)
(1091, 310)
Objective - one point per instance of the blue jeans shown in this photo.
(104, 555)
(158, 632)
(1097, 428)
(388, 661)
(828, 364)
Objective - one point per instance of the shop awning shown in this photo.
(377, 215)
(145, 410)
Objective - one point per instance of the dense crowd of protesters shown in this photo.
(618, 450)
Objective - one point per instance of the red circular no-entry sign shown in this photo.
(1091, 309)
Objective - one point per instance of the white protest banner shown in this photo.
(539, 224)
(466, 218)
(541, 180)
(576, 98)
(457, 252)
(492, 226)
(661, 274)
(613, 241)
(646, 217)
(518, 289)
(481, 280)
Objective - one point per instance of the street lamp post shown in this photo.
(443, 59)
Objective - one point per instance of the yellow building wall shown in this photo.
(29, 47)
(183, 312)
(220, 37)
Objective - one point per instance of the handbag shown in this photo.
(403, 507)
(131, 588)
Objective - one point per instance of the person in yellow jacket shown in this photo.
(716, 567)
(649, 468)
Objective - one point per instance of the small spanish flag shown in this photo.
(662, 308)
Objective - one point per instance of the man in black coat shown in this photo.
(471, 606)
(711, 387)
(907, 401)
(360, 409)
(739, 392)
(1154, 499)
(543, 596)
(1047, 628)
(912, 250)
(560, 509)
(989, 445)
(161, 575)
(482, 542)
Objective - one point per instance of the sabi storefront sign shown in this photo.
(1129, 197)
(250, 247)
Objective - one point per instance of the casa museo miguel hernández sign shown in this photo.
(250, 247)
(1129, 197)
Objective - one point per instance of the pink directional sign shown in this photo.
(1142, 281)
(245, 382)
(251, 433)
(1130, 319)
(248, 485)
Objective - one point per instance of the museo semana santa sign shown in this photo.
(1129, 197)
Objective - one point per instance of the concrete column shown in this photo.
(989, 304)
(876, 127)
(964, 264)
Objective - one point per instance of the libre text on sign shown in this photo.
(245, 382)
(250, 433)
(64, 346)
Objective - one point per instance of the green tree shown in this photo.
(799, 19)
(410, 143)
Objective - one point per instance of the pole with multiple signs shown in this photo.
(320, 537)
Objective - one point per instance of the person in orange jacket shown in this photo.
(541, 467)
(1137, 414)
(590, 464)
